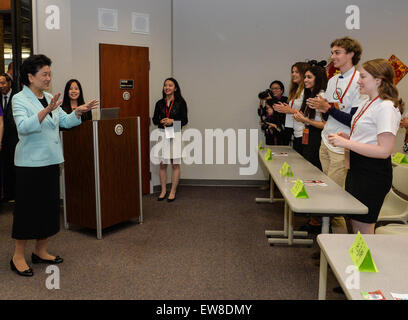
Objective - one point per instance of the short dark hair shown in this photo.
(279, 83)
(7, 76)
(31, 66)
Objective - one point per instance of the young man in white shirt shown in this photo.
(340, 103)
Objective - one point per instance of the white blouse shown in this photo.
(381, 116)
(297, 126)
(296, 105)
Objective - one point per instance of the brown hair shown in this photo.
(297, 88)
(382, 69)
(350, 45)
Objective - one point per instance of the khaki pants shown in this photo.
(333, 165)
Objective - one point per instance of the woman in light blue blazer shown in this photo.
(38, 154)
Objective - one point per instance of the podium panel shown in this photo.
(102, 173)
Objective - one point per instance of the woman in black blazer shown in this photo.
(170, 115)
(73, 98)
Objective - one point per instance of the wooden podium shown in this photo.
(102, 173)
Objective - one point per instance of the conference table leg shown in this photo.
(322, 276)
(323, 263)
(288, 232)
(290, 228)
(271, 198)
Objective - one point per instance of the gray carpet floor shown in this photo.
(208, 244)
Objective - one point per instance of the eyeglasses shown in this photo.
(276, 88)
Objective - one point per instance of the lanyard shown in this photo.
(360, 114)
(169, 110)
(351, 80)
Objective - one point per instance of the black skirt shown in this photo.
(369, 180)
(37, 208)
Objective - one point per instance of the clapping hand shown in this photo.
(339, 139)
(299, 116)
(282, 107)
(55, 103)
(344, 135)
(93, 104)
(318, 103)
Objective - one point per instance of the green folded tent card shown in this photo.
(286, 171)
(299, 190)
(400, 158)
(260, 145)
(268, 155)
(361, 255)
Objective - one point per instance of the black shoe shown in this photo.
(171, 200)
(338, 290)
(26, 273)
(161, 199)
(37, 259)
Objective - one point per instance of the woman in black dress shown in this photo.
(170, 115)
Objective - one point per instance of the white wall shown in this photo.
(74, 48)
(226, 51)
(56, 44)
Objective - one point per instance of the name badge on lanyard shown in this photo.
(169, 132)
(305, 136)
